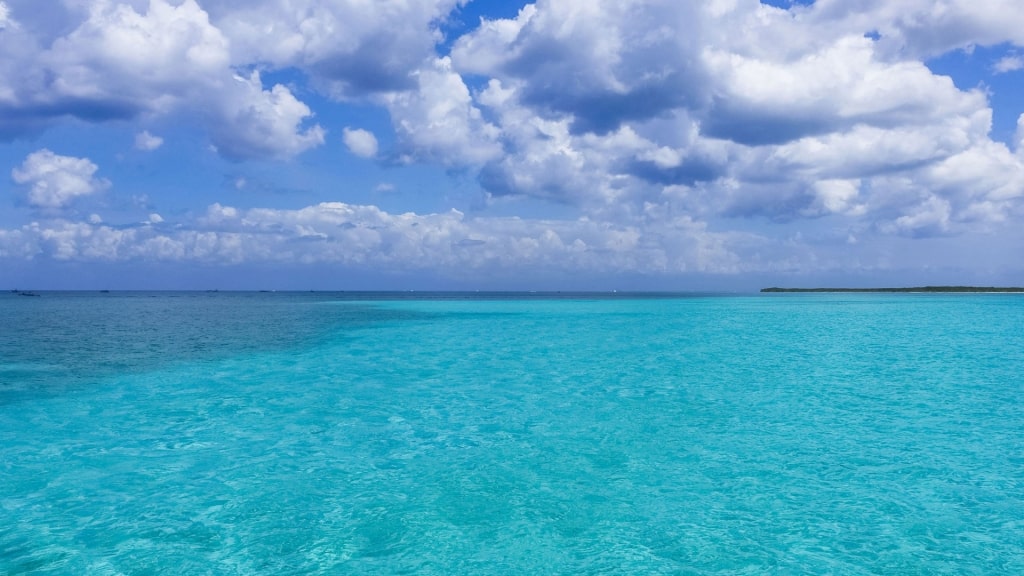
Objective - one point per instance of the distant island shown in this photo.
(914, 289)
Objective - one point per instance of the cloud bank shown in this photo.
(728, 136)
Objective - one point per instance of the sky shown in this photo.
(490, 145)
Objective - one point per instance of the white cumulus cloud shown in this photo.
(54, 181)
(651, 121)
(439, 121)
(360, 142)
(350, 47)
(124, 61)
(148, 142)
(251, 122)
(739, 109)
(1008, 63)
(129, 61)
(921, 28)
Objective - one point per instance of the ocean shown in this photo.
(463, 433)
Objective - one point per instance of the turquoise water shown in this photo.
(388, 434)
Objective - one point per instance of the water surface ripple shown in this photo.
(311, 433)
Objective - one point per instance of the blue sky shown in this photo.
(564, 144)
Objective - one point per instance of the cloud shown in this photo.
(651, 121)
(929, 217)
(919, 29)
(601, 62)
(439, 121)
(1008, 63)
(148, 142)
(842, 86)
(251, 122)
(741, 110)
(452, 245)
(119, 63)
(351, 48)
(360, 142)
(354, 235)
(1019, 136)
(5, 17)
(54, 181)
(547, 160)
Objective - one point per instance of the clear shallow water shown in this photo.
(337, 433)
